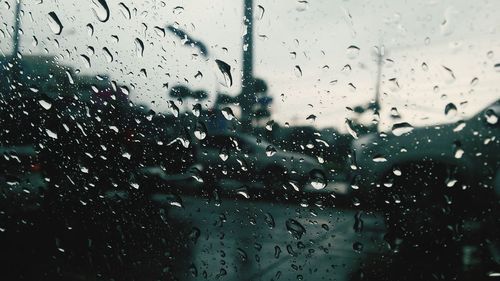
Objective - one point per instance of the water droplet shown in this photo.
(107, 53)
(260, 12)
(311, 118)
(402, 128)
(223, 154)
(269, 219)
(86, 60)
(393, 84)
(425, 67)
(173, 108)
(358, 222)
(491, 117)
(194, 234)
(357, 246)
(159, 31)
(295, 228)
(55, 24)
(243, 255)
(200, 132)
(450, 110)
(318, 179)
(70, 78)
(225, 69)
(193, 270)
(222, 272)
(379, 158)
(228, 113)
(35, 41)
(101, 10)
(459, 126)
(178, 10)
(350, 130)
(90, 29)
(45, 104)
(497, 67)
(458, 151)
(302, 5)
(352, 52)
(346, 69)
(269, 125)
(51, 134)
(198, 75)
(474, 81)
(397, 172)
(243, 191)
(139, 47)
(298, 71)
(125, 10)
(270, 150)
(277, 252)
(450, 73)
(395, 113)
(196, 110)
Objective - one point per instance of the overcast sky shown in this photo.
(463, 36)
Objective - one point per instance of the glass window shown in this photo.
(249, 140)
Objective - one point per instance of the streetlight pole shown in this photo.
(376, 103)
(247, 98)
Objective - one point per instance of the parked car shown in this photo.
(250, 159)
(436, 187)
(461, 157)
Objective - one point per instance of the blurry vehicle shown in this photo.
(161, 162)
(436, 187)
(21, 181)
(459, 157)
(247, 158)
(73, 151)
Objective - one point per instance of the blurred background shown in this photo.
(249, 140)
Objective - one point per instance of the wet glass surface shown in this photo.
(249, 140)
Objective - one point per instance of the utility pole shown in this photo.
(17, 24)
(247, 96)
(376, 103)
(13, 73)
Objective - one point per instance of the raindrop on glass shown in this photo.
(352, 52)
(260, 13)
(402, 128)
(55, 24)
(125, 10)
(228, 113)
(298, 71)
(270, 150)
(295, 228)
(90, 29)
(450, 110)
(350, 130)
(139, 47)
(491, 117)
(196, 110)
(107, 54)
(200, 132)
(101, 10)
(225, 69)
